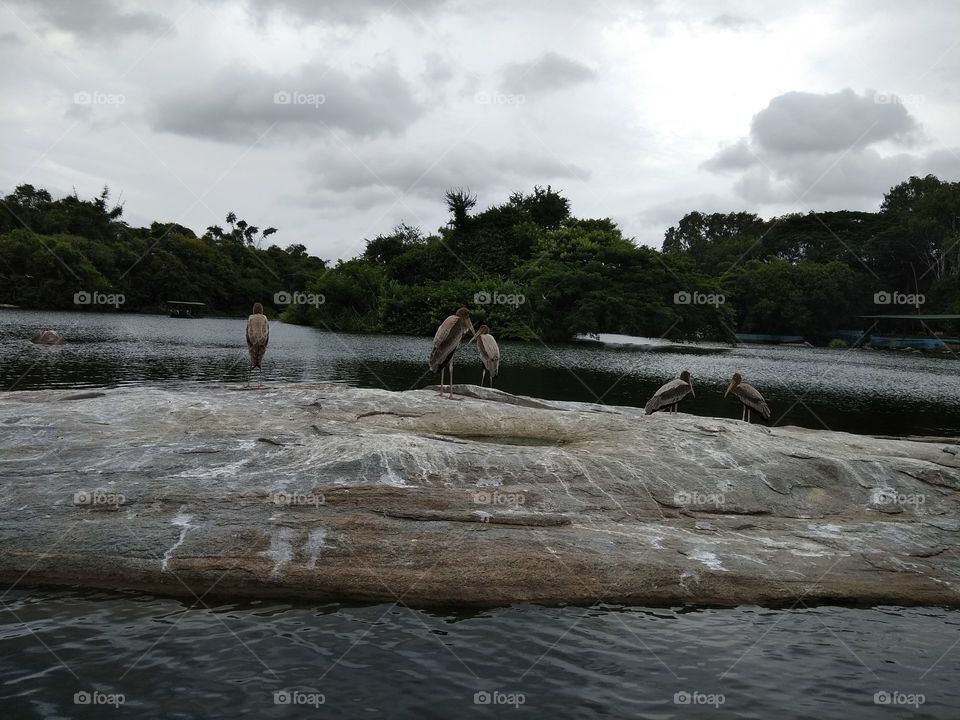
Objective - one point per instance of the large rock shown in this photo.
(327, 491)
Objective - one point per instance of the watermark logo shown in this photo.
(84, 297)
(86, 97)
(698, 698)
(887, 697)
(685, 497)
(485, 297)
(98, 497)
(898, 298)
(298, 697)
(888, 98)
(498, 498)
(84, 697)
(685, 297)
(285, 297)
(496, 697)
(295, 97)
(890, 496)
(288, 499)
(498, 98)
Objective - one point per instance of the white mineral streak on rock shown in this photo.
(316, 541)
(181, 520)
(707, 558)
(280, 551)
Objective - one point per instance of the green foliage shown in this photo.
(838, 343)
(51, 249)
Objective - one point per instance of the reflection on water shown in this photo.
(387, 661)
(855, 391)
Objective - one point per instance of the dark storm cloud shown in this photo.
(240, 105)
(550, 71)
(430, 172)
(344, 12)
(93, 19)
(802, 122)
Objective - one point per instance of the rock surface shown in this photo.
(328, 491)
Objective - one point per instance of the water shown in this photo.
(174, 659)
(856, 391)
(388, 661)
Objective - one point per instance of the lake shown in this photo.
(860, 391)
(82, 654)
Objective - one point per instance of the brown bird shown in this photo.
(446, 342)
(258, 335)
(749, 397)
(670, 395)
(489, 353)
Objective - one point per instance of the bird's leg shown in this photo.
(743, 413)
(482, 376)
(451, 378)
(260, 377)
(441, 382)
(748, 416)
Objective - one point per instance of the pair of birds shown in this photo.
(447, 340)
(670, 395)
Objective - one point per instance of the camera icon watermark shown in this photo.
(285, 297)
(893, 497)
(485, 97)
(85, 697)
(295, 97)
(85, 297)
(288, 499)
(298, 697)
(887, 697)
(685, 297)
(884, 297)
(698, 698)
(487, 297)
(88, 97)
(498, 697)
(695, 497)
(483, 497)
(98, 498)
(889, 98)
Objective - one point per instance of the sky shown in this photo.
(335, 121)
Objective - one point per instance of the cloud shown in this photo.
(735, 23)
(428, 173)
(812, 148)
(99, 20)
(10, 39)
(546, 73)
(342, 12)
(240, 105)
(802, 122)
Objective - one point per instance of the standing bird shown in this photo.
(258, 335)
(446, 342)
(489, 353)
(670, 395)
(749, 397)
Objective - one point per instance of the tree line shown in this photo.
(526, 267)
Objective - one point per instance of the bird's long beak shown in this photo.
(470, 325)
(729, 388)
(692, 393)
(475, 336)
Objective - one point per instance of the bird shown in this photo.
(258, 335)
(446, 341)
(670, 394)
(489, 353)
(749, 397)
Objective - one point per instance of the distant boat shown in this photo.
(184, 309)
(917, 343)
(760, 339)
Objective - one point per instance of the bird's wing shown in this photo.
(752, 398)
(489, 353)
(258, 331)
(445, 341)
(668, 394)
